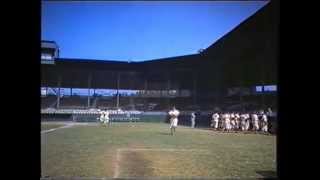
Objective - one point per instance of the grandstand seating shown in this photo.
(156, 104)
(94, 101)
(105, 103)
(73, 102)
(48, 101)
(182, 103)
(247, 103)
(124, 102)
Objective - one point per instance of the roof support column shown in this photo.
(195, 75)
(58, 93)
(263, 81)
(144, 95)
(89, 85)
(168, 89)
(132, 74)
(118, 86)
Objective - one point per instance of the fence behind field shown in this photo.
(87, 116)
(203, 119)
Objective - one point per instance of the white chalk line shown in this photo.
(50, 130)
(148, 178)
(116, 170)
(161, 149)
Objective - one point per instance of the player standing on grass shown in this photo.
(237, 117)
(243, 121)
(106, 118)
(223, 119)
(174, 113)
(247, 118)
(232, 121)
(101, 118)
(193, 119)
(228, 122)
(264, 123)
(255, 121)
(215, 119)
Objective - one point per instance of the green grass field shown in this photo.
(147, 150)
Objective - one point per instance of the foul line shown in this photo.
(116, 171)
(118, 155)
(50, 130)
(163, 149)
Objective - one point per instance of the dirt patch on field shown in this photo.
(130, 163)
(134, 164)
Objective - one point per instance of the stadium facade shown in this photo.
(234, 72)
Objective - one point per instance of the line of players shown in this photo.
(222, 121)
(240, 122)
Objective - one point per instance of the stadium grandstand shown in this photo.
(236, 73)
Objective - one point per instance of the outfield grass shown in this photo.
(50, 126)
(147, 150)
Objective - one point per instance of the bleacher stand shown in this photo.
(104, 103)
(73, 102)
(48, 101)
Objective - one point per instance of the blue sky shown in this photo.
(139, 31)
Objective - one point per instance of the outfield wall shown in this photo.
(202, 120)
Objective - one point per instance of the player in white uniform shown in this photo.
(264, 123)
(101, 118)
(215, 119)
(174, 113)
(243, 122)
(232, 121)
(255, 121)
(227, 122)
(106, 118)
(237, 118)
(247, 116)
(223, 121)
(193, 119)
(212, 123)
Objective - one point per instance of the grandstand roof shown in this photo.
(49, 44)
(248, 50)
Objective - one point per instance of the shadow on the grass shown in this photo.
(267, 174)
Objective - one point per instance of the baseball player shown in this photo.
(227, 122)
(174, 113)
(232, 121)
(193, 119)
(264, 123)
(101, 118)
(237, 118)
(243, 122)
(255, 121)
(106, 118)
(247, 119)
(223, 121)
(215, 119)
